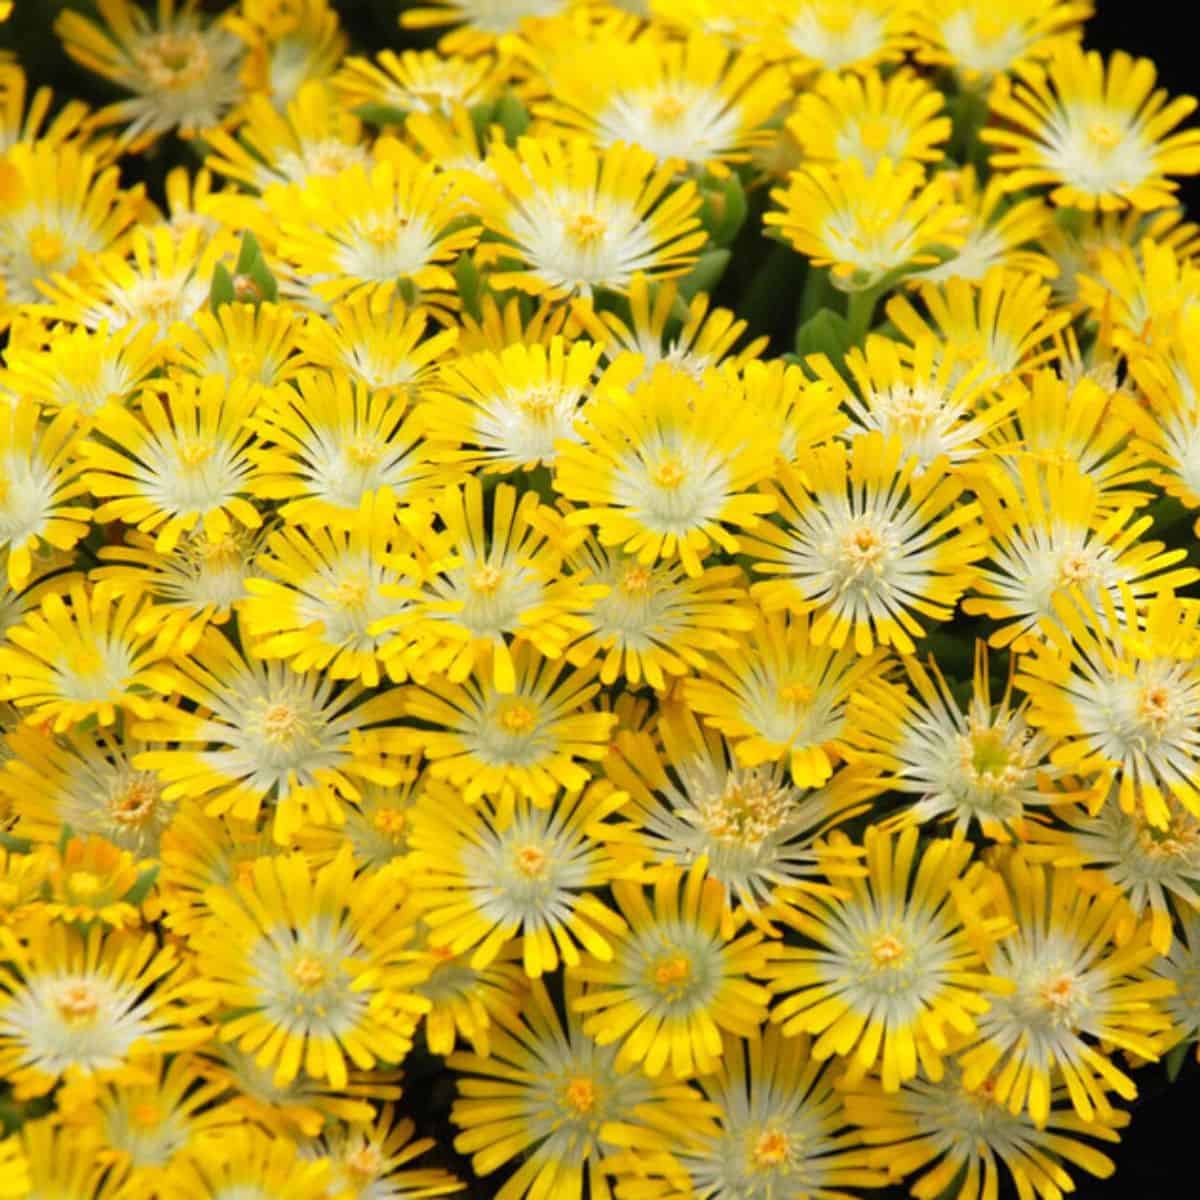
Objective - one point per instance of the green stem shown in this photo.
(859, 312)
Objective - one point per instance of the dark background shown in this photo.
(1155, 1157)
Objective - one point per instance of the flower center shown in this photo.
(282, 723)
(989, 755)
(887, 951)
(532, 861)
(518, 717)
(914, 410)
(135, 802)
(174, 60)
(364, 451)
(586, 228)
(668, 109)
(46, 246)
(538, 402)
(580, 1095)
(156, 300)
(86, 663)
(746, 813)
(364, 1163)
(796, 693)
(669, 473)
(1155, 708)
(875, 133)
(862, 552)
(195, 452)
(772, 1149)
(351, 594)
(1103, 136)
(391, 821)
(309, 973)
(487, 580)
(383, 231)
(1075, 567)
(78, 1004)
(84, 885)
(145, 1115)
(636, 581)
(672, 974)
(1058, 992)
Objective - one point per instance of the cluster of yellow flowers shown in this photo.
(626, 579)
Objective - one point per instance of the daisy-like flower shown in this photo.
(253, 343)
(246, 1161)
(85, 783)
(1097, 133)
(329, 444)
(898, 965)
(312, 964)
(693, 800)
(663, 472)
(995, 328)
(550, 1094)
(290, 43)
(90, 880)
(984, 765)
(84, 1008)
(980, 41)
(782, 698)
(322, 593)
(572, 219)
(163, 279)
(997, 231)
(706, 338)
(691, 102)
(1073, 987)
(480, 25)
(40, 486)
(800, 411)
(57, 205)
(675, 981)
(61, 1160)
(866, 541)
(375, 1163)
(490, 577)
(1060, 423)
(1120, 693)
(313, 138)
(83, 371)
(869, 118)
(197, 584)
(182, 71)
(382, 344)
(656, 621)
(1181, 966)
(181, 464)
(484, 874)
(866, 224)
(371, 230)
(81, 656)
(417, 81)
(780, 1129)
(263, 734)
(1051, 535)
(529, 741)
(511, 408)
(1157, 870)
(929, 396)
(961, 1139)
(834, 35)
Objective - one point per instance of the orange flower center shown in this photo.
(772, 1149)
(391, 821)
(887, 950)
(532, 861)
(671, 972)
(518, 718)
(133, 805)
(364, 1162)
(586, 228)
(636, 581)
(580, 1095)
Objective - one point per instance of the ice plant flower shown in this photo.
(574, 220)
(898, 966)
(674, 981)
(1099, 134)
(661, 471)
(867, 539)
(311, 967)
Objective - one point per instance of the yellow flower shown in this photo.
(691, 102)
(833, 35)
(780, 697)
(15, 1179)
(246, 1160)
(864, 224)
(21, 122)
(867, 539)
(866, 117)
(981, 40)
(572, 220)
(529, 741)
(81, 657)
(550, 1096)
(180, 465)
(1073, 987)
(62, 1160)
(40, 486)
(1097, 133)
(485, 874)
(417, 81)
(310, 967)
(662, 470)
(897, 965)
(290, 42)
(675, 981)
(262, 734)
(89, 879)
(182, 71)
(481, 24)
(374, 230)
(253, 343)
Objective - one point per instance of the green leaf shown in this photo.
(141, 889)
(14, 844)
(470, 284)
(828, 333)
(222, 290)
(705, 275)
(512, 116)
(249, 254)
(381, 114)
(724, 209)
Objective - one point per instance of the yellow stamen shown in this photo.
(1103, 136)
(636, 581)
(364, 1162)
(281, 723)
(668, 109)
(46, 246)
(772, 1148)
(518, 717)
(391, 821)
(309, 973)
(532, 861)
(78, 1004)
(887, 950)
(669, 473)
(580, 1095)
(586, 228)
(84, 885)
(672, 971)
(195, 452)
(487, 580)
